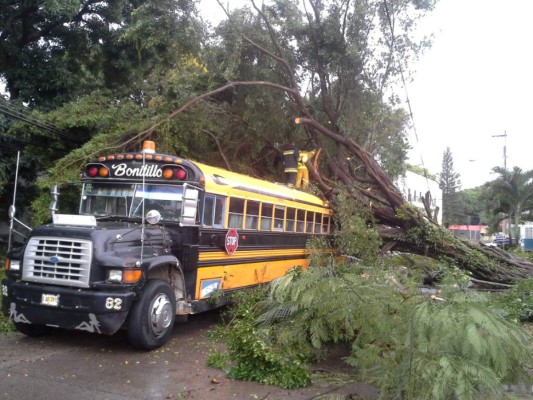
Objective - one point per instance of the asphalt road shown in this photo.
(78, 365)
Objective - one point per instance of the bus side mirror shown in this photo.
(55, 198)
(189, 206)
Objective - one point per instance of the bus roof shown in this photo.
(134, 166)
(224, 182)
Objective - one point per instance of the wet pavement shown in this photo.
(78, 365)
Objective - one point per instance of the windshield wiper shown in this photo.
(115, 216)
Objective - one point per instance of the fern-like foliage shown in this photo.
(412, 345)
(456, 349)
(253, 353)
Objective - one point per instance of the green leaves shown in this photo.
(410, 343)
(509, 196)
(253, 353)
(460, 348)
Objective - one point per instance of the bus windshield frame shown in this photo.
(131, 200)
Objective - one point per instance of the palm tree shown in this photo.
(511, 196)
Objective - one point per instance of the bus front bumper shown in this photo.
(64, 307)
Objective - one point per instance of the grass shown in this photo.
(5, 323)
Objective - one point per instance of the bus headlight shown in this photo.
(124, 275)
(12, 265)
(114, 275)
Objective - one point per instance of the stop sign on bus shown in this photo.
(232, 241)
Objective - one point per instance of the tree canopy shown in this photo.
(317, 72)
(510, 196)
(450, 184)
(137, 61)
(52, 52)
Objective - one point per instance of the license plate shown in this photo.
(51, 300)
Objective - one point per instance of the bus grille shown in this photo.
(58, 261)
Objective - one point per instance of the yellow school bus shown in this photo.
(156, 236)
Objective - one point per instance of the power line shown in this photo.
(32, 121)
(411, 116)
(10, 111)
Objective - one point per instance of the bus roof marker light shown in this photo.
(168, 173)
(148, 147)
(181, 173)
(103, 172)
(92, 171)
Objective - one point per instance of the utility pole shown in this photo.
(504, 136)
(505, 223)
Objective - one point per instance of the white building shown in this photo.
(414, 187)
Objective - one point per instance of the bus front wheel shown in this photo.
(152, 317)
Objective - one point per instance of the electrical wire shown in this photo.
(408, 101)
(10, 111)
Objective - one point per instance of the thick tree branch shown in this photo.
(293, 93)
(219, 147)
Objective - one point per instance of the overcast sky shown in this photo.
(475, 82)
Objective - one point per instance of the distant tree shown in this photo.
(510, 196)
(450, 184)
(471, 200)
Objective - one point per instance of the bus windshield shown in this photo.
(131, 200)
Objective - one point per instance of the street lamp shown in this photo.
(504, 148)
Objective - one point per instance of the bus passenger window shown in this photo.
(318, 223)
(208, 211)
(266, 217)
(310, 221)
(252, 214)
(236, 213)
(325, 224)
(300, 221)
(291, 218)
(279, 218)
(219, 211)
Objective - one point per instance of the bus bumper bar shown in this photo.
(77, 309)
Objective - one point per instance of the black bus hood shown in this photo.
(115, 241)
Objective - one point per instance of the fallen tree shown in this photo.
(401, 227)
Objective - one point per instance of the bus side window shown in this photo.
(300, 224)
(291, 218)
(310, 221)
(325, 224)
(208, 210)
(266, 217)
(236, 213)
(318, 223)
(219, 211)
(279, 217)
(252, 214)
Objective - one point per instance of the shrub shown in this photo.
(252, 352)
(517, 302)
(6, 325)
(412, 345)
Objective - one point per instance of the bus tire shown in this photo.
(32, 330)
(152, 317)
